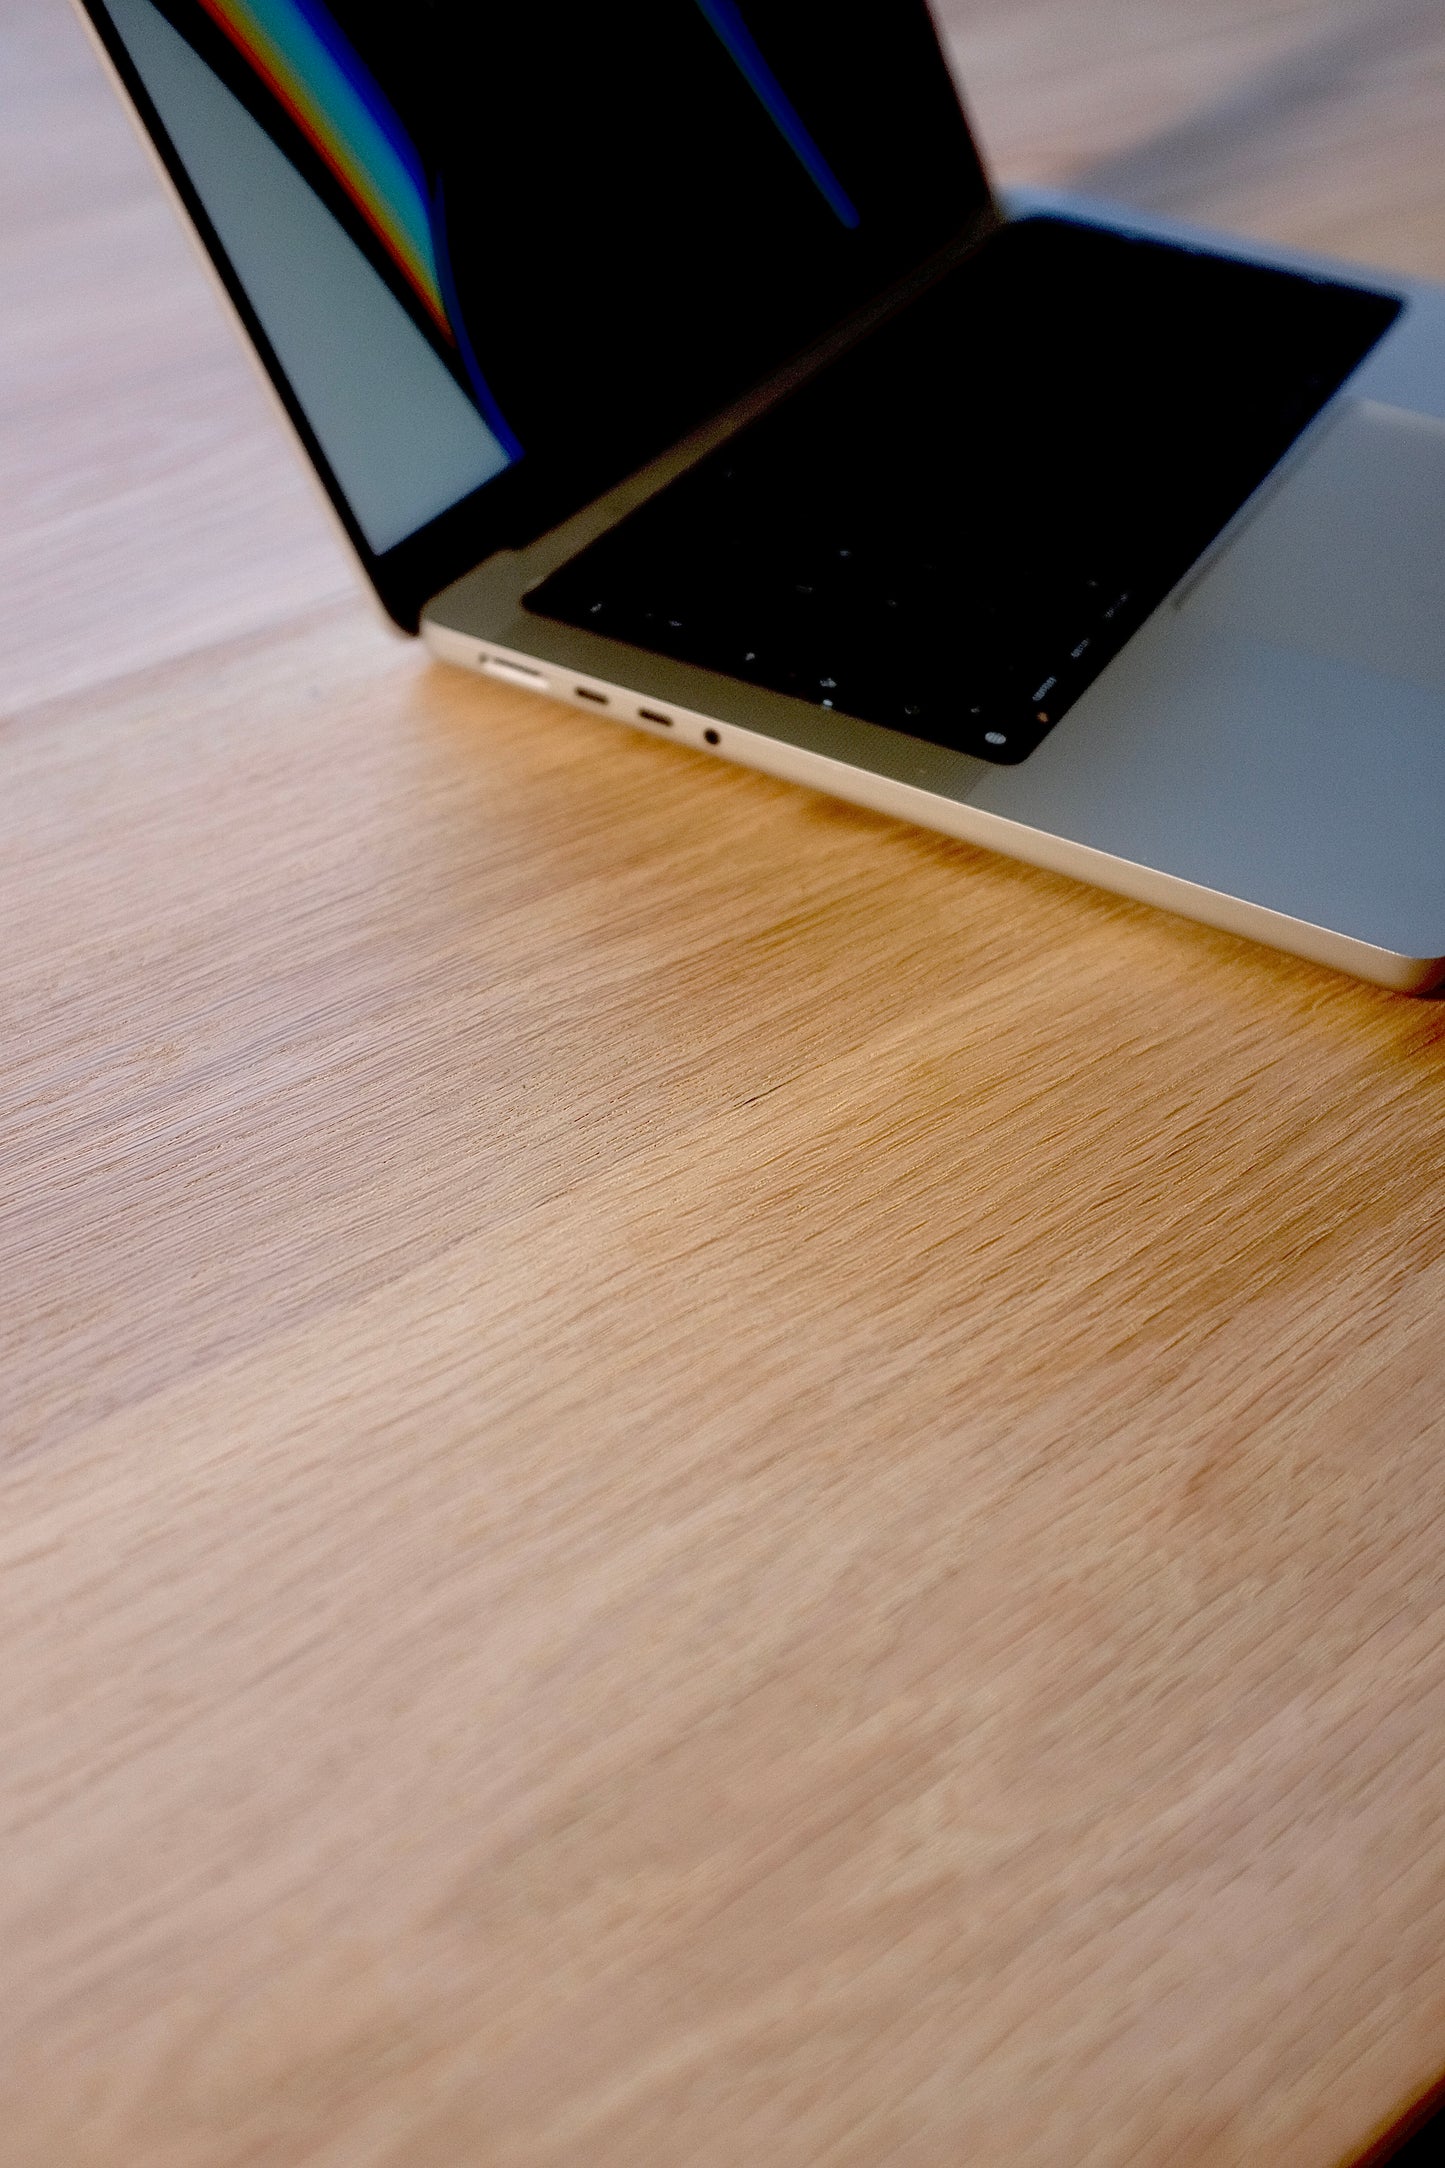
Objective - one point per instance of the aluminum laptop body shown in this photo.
(1262, 747)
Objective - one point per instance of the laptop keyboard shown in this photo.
(954, 529)
(928, 641)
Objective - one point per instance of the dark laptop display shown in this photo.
(556, 237)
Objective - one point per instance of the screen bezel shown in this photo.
(506, 512)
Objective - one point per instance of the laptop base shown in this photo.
(1256, 783)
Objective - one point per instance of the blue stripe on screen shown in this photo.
(724, 20)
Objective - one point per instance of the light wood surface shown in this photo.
(688, 1479)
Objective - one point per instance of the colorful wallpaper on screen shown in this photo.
(298, 52)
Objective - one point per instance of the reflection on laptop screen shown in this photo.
(481, 236)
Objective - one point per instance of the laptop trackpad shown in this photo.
(1281, 735)
(1346, 558)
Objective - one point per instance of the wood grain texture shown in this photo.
(687, 1477)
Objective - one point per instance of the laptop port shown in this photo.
(651, 715)
(514, 673)
(585, 692)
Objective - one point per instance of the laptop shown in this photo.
(677, 359)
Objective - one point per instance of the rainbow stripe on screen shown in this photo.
(298, 52)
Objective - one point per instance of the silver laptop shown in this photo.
(676, 359)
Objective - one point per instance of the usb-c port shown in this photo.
(585, 692)
(650, 715)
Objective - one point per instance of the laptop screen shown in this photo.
(496, 257)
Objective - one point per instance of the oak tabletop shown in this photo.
(688, 1478)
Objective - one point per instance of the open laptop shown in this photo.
(676, 359)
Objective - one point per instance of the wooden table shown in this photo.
(689, 1479)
